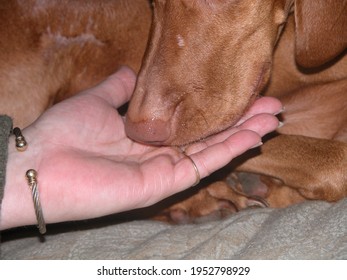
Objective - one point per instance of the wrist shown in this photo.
(17, 207)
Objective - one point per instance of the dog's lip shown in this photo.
(173, 140)
(261, 78)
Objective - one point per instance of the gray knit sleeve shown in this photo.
(5, 130)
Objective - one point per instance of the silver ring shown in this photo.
(197, 173)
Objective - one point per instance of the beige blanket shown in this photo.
(312, 230)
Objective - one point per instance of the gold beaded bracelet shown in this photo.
(31, 176)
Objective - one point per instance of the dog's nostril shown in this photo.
(154, 132)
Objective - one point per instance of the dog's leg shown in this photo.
(315, 167)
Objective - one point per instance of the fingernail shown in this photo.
(280, 124)
(257, 145)
(280, 111)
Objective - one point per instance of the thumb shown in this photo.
(117, 88)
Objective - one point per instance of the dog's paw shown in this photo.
(262, 191)
(218, 200)
(249, 190)
(207, 204)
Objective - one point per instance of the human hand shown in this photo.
(87, 167)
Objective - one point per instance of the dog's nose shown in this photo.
(153, 132)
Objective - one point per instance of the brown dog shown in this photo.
(208, 60)
(205, 64)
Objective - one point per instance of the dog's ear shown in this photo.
(321, 31)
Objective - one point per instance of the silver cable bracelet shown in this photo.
(31, 176)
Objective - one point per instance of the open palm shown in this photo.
(88, 167)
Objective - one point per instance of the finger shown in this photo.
(269, 105)
(261, 124)
(214, 157)
(117, 88)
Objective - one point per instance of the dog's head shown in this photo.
(205, 63)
